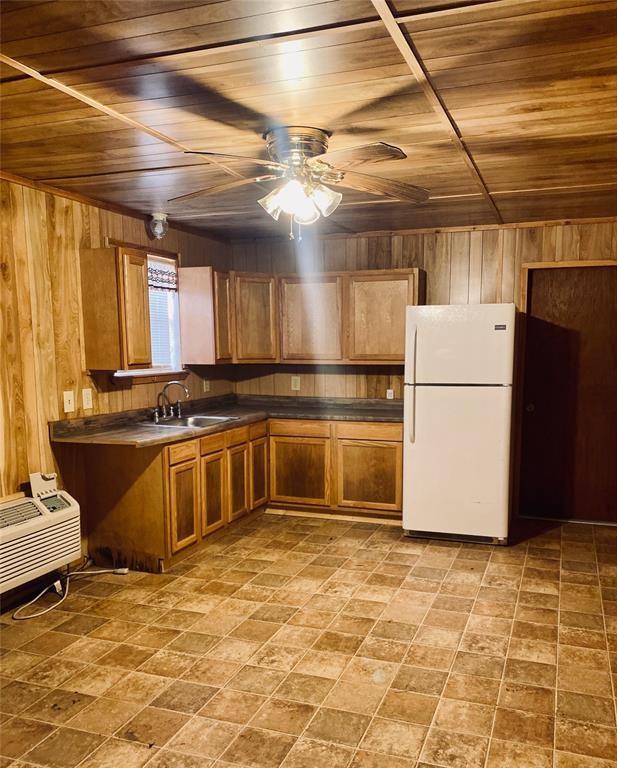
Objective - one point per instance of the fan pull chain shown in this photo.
(291, 228)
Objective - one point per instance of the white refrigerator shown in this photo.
(458, 403)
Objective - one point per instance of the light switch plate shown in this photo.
(295, 383)
(205, 383)
(86, 398)
(389, 394)
(69, 400)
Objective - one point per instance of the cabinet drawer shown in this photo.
(299, 428)
(369, 430)
(236, 436)
(212, 443)
(182, 452)
(258, 430)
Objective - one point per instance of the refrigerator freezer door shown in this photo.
(456, 460)
(466, 344)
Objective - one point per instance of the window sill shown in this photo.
(147, 376)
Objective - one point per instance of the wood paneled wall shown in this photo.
(41, 338)
(462, 266)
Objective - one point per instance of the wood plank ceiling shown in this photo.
(506, 109)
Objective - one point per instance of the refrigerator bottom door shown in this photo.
(456, 460)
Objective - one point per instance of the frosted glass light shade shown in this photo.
(326, 199)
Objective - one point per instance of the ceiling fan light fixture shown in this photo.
(270, 204)
(326, 199)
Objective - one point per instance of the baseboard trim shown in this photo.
(329, 516)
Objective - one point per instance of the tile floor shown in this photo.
(312, 643)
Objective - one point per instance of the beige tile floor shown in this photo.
(313, 643)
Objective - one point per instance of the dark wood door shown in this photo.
(569, 416)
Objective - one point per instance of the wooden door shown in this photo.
(222, 316)
(255, 317)
(213, 492)
(369, 474)
(569, 438)
(311, 317)
(237, 481)
(183, 504)
(135, 309)
(300, 470)
(376, 314)
(258, 463)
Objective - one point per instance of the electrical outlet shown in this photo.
(389, 394)
(86, 398)
(295, 383)
(205, 383)
(69, 400)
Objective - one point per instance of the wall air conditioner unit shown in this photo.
(38, 534)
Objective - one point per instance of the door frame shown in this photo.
(526, 269)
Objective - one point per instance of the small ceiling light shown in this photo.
(270, 204)
(158, 225)
(327, 200)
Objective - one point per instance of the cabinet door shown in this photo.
(183, 504)
(299, 470)
(255, 317)
(376, 315)
(238, 480)
(135, 309)
(311, 318)
(369, 474)
(213, 493)
(222, 315)
(258, 462)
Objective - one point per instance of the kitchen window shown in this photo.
(164, 313)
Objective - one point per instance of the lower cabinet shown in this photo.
(213, 497)
(212, 481)
(354, 465)
(258, 466)
(238, 480)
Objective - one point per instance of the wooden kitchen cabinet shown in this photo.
(205, 303)
(184, 503)
(258, 464)
(300, 462)
(368, 466)
(213, 492)
(375, 313)
(238, 480)
(115, 306)
(311, 309)
(255, 317)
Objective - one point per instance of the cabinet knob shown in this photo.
(530, 407)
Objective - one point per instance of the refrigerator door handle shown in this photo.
(410, 411)
(413, 355)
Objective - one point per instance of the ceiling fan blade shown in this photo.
(377, 186)
(366, 153)
(227, 158)
(224, 187)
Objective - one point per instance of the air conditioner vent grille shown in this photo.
(18, 513)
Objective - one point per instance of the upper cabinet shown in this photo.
(116, 313)
(134, 308)
(205, 315)
(376, 302)
(322, 317)
(255, 317)
(311, 317)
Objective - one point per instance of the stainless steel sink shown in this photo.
(191, 421)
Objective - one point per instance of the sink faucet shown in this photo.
(164, 409)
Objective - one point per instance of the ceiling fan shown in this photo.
(299, 157)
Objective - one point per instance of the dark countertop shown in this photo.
(128, 428)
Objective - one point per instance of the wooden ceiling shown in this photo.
(506, 109)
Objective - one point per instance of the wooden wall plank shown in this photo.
(42, 353)
(473, 265)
